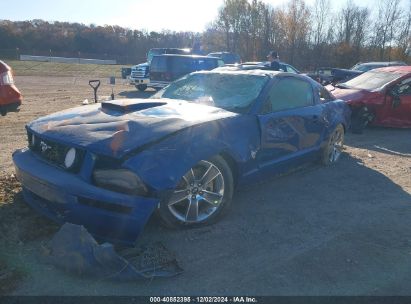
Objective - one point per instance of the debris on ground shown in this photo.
(74, 250)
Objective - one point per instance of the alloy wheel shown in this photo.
(199, 194)
(336, 144)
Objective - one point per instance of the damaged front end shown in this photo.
(91, 165)
(66, 196)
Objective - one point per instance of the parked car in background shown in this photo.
(341, 75)
(254, 65)
(140, 74)
(167, 68)
(227, 57)
(108, 166)
(322, 75)
(10, 96)
(380, 97)
(125, 72)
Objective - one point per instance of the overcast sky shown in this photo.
(177, 15)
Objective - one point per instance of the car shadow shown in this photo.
(339, 230)
(384, 140)
(319, 230)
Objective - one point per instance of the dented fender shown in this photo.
(163, 164)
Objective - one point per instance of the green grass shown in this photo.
(33, 68)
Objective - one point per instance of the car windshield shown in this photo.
(371, 80)
(233, 92)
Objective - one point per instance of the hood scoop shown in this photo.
(128, 106)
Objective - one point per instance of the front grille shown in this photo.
(53, 152)
(139, 73)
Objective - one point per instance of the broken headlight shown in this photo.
(120, 180)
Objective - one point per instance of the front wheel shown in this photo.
(141, 87)
(333, 150)
(203, 194)
(360, 119)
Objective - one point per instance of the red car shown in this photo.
(380, 97)
(10, 96)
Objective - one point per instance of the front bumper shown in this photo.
(67, 197)
(138, 81)
(13, 106)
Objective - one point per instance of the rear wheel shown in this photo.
(333, 150)
(203, 194)
(141, 87)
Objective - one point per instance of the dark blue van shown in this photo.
(167, 68)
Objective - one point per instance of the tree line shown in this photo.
(304, 36)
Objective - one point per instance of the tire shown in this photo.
(359, 120)
(333, 149)
(141, 87)
(196, 202)
(3, 112)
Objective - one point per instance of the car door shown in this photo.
(291, 122)
(397, 107)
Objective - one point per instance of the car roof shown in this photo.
(256, 72)
(402, 69)
(381, 63)
(186, 56)
(4, 67)
(223, 53)
(180, 49)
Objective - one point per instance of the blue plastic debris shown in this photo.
(75, 251)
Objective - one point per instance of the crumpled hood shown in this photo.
(354, 96)
(118, 127)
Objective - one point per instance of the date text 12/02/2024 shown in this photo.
(237, 299)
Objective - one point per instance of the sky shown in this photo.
(152, 15)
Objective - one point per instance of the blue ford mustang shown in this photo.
(109, 166)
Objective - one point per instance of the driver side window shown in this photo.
(289, 93)
(404, 88)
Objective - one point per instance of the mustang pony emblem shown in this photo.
(44, 147)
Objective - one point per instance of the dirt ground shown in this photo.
(342, 230)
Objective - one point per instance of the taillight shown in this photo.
(6, 78)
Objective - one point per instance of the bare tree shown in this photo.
(389, 15)
(319, 23)
(295, 22)
(403, 39)
(321, 12)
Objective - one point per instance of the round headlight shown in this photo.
(70, 158)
